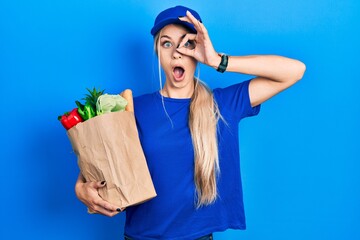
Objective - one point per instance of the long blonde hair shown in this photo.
(203, 118)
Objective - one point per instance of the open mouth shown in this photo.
(178, 73)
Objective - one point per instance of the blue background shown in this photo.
(300, 156)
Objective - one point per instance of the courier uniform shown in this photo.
(169, 153)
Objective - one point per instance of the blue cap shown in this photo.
(171, 16)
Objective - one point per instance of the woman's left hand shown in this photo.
(202, 50)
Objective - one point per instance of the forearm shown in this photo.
(276, 68)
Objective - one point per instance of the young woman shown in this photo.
(189, 134)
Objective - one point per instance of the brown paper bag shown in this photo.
(108, 148)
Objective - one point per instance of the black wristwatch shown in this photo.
(224, 63)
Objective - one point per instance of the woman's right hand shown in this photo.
(87, 192)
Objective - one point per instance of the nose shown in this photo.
(176, 54)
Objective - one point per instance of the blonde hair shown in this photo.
(203, 118)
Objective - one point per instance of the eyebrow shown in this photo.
(166, 36)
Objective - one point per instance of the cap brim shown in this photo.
(168, 21)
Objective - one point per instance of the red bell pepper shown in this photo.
(70, 119)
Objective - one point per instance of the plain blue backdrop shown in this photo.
(300, 156)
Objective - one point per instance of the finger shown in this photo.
(104, 207)
(98, 201)
(193, 20)
(191, 17)
(98, 185)
(188, 37)
(103, 211)
(186, 51)
(197, 23)
(110, 207)
(106, 212)
(185, 19)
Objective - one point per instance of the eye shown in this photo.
(167, 44)
(189, 44)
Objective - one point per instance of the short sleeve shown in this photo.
(235, 100)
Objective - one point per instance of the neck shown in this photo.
(177, 93)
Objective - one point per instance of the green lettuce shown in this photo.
(110, 103)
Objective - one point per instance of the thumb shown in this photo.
(99, 184)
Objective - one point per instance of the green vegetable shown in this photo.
(85, 111)
(110, 103)
(92, 97)
(88, 110)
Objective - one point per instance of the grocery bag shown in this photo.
(108, 148)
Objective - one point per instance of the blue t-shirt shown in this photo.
(169, 153)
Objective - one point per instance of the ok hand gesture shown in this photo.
(202, 49)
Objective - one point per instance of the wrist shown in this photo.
(223, 63)
(216, 60)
